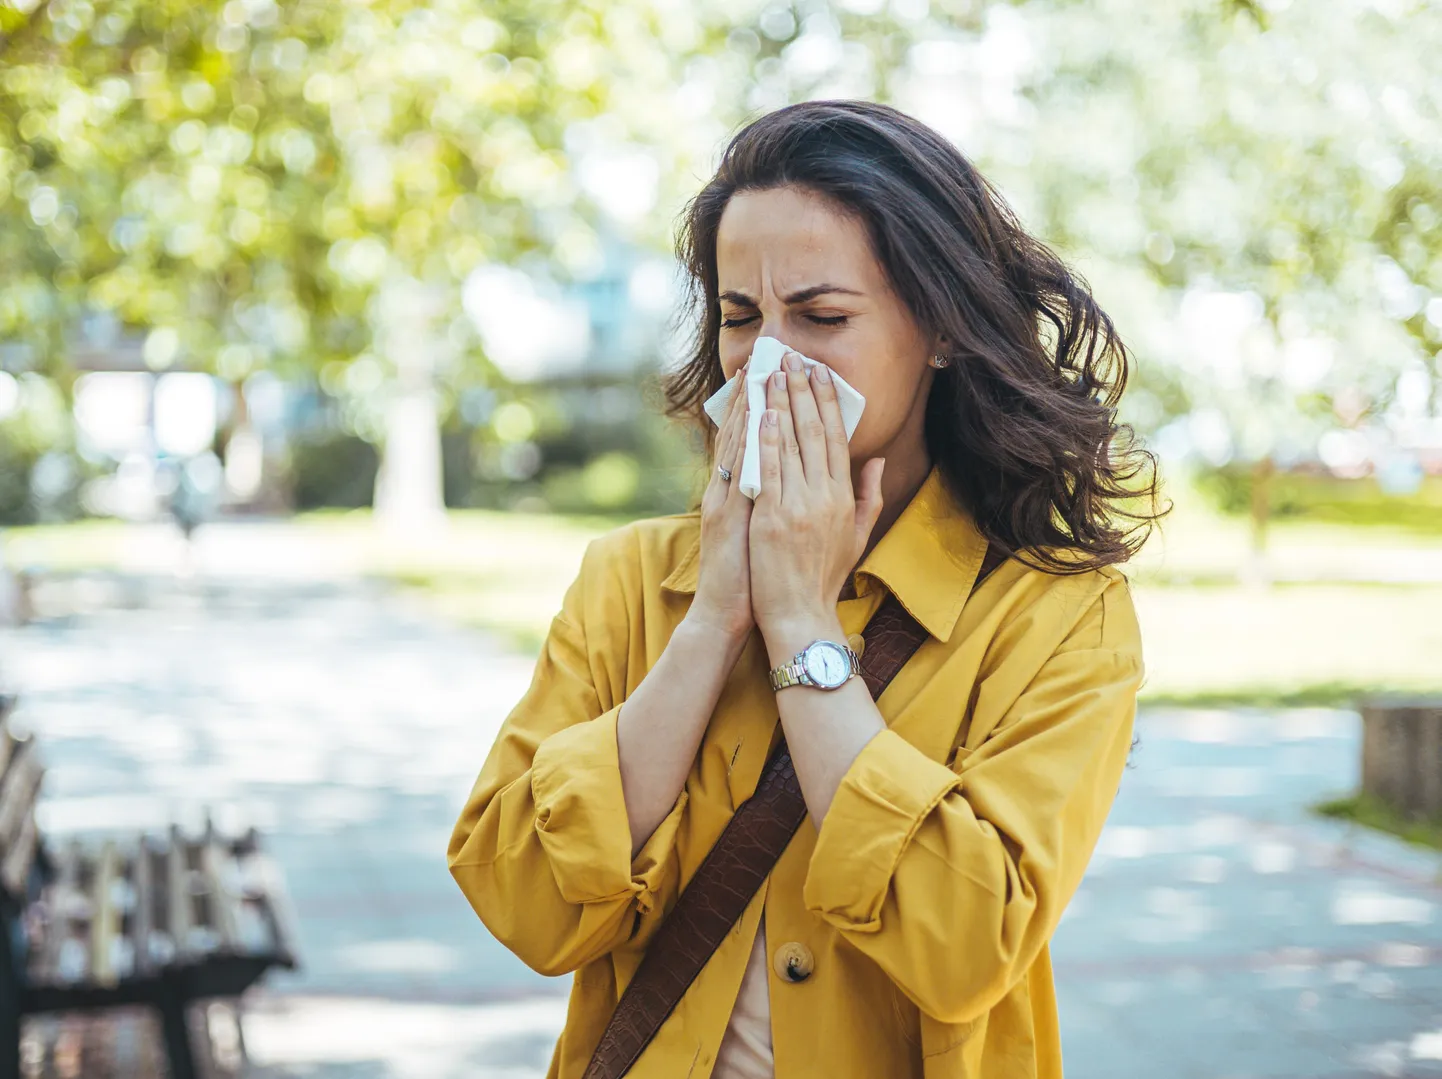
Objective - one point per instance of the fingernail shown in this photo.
(779, 380)
(793, 362)
(820, 373)
(768, 418)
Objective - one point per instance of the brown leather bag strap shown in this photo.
(745, 853)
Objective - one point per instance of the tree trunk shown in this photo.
(1262, 473)
(410, 495)
(1256, 571)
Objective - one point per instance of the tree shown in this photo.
(1253, 187)
(254, 185)
(1256, 190)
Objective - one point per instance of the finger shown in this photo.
(806, 420)
(733, 427)
(778, 397)
(732, 433)
(772, 483)
(738, 393)
(838, 451)
(736, 402)
(735, 454)
(868, 500)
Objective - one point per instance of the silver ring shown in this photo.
(724, 472)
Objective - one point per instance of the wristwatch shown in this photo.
(823, 664)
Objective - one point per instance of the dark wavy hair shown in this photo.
(1022, 423)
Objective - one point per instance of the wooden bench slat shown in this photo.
(178, 910)
(201, 938)
(142, 879)
(75, 951)
(160, 946)
(19, 787)
(105, 917)
(19, 856)
(8, 744)
(218, 867)
(64, 957)
(45, 967)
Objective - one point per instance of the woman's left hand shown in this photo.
(808, 528)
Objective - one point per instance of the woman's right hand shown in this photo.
(723, 589)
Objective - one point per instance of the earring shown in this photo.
(939, 361)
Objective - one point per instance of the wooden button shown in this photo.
(857, 643)
(794, 962)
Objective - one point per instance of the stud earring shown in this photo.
(939, 361)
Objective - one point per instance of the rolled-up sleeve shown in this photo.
(953, 879)
(581, 818)
(886, 795)
(542, 848)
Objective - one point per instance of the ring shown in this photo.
(724, 472)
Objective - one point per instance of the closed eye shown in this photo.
(819, 320)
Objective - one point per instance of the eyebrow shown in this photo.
(801, 296)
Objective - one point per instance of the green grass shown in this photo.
(1316, 644)
(1208, 640)
(1371, 813)
(1315, 695)
(1313, 499)
(77, 545)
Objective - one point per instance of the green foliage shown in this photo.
(1325, 498)
(244, 179)
(333, 469)
(17, 459)
(247, 182)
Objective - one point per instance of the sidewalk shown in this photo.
(1221, 931)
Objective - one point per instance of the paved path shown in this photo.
(1222, 930)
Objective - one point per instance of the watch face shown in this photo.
(827, 664)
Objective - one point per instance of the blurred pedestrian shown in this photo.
(194, 487)
(883, 905)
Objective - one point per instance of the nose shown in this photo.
(773, 323)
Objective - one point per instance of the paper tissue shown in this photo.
(766, 360)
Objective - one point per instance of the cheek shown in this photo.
(887, 382)
(890, 391)
(734, 352)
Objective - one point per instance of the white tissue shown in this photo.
(766, 360)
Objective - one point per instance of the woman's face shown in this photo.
(793, 265)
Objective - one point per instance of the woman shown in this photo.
(904, 928)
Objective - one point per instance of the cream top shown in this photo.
(745, 1051)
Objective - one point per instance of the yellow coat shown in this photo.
(929, 895)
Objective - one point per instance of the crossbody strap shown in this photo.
(746, 851)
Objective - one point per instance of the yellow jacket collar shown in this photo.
(928, 559)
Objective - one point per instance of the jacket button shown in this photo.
(857, 643)
(794, 962)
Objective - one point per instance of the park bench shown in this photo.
(162, 921)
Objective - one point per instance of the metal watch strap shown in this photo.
(793, 673)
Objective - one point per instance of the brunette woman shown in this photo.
(981, 507)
